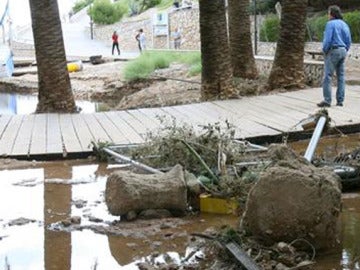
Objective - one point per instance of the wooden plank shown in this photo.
(244, 127)
(180, 117)
(149, 122)
(255, 114)
(265, 108)
(245, 121)
(23, 140)
(156, 114)
(130, 134)
(96, 128)
(113, 132)
(4, 121)
(38, 137)
(69, 137)
(82, 132)
(139, 127)
(182, 120)
(195, 116)
(54, 142)
(275, 111)
(341, 114)
(222, 119)
(10, 134)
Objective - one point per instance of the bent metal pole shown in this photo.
(315, 138)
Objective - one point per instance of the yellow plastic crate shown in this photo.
(210, 204)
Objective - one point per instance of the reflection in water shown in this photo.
(26, 104)
(351, 233)
(57, 207)
(44, 196)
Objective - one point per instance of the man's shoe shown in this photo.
(323, 104)
(340, 104)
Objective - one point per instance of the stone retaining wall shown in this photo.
(313, 70)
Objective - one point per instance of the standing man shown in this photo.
(177, 39)
(141, 39)
(336, 43)
(115, 43)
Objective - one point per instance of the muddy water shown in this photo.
(26, 104)
(35, 200)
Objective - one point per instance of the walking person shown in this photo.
(141, 39)
(115, 43)
(336, 44)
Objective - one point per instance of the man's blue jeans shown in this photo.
(334, 61)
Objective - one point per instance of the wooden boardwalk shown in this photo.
(64, 134)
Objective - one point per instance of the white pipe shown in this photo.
(131, 161)
(315, 138)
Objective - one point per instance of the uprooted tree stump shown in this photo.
(127, 191)
(294, 200)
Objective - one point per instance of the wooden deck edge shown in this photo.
(303, 135)
(261, 140)
(51, 157)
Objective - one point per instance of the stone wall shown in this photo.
(313, 69)
(187, 20)
(269, 48)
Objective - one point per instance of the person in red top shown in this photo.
(115, 43)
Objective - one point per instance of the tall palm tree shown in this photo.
(216, 76)
(242, 57)
(288, 66)
(55, 93)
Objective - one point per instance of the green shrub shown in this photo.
(138, 68)
(105, 12)
(316, 28)
(165, 4)
(195, 69)
(353, 20)
(145, 64)
(263, 6)
(79, 5)
(270, 29)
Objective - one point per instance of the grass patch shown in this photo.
(144, 65)
(165, 4)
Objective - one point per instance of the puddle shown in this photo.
(33, 200)
(26, 104)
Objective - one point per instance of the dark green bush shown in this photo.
(79, 5)
(316, 27)
(145, 4)
(353, 20)
(263, 6)
(105, 12)
(270, 29)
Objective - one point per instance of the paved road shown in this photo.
(77, 41)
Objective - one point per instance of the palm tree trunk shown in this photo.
(55, 94)
(288, 67)
(216, 77)
(242, 57)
